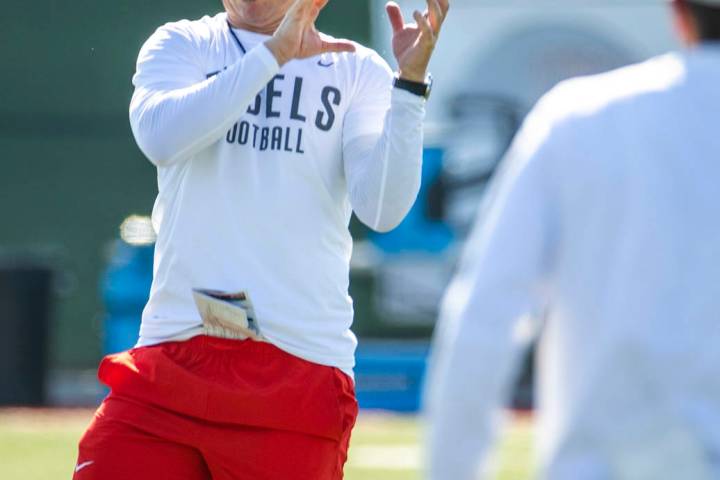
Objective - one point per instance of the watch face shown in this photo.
(429, 87)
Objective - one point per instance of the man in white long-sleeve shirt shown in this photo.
(266, 135)
(605, 222)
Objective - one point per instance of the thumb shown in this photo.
(330, 44)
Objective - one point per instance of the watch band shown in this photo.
(421, 89)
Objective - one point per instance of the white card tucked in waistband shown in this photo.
(227, 315)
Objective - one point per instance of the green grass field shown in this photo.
(41, 445)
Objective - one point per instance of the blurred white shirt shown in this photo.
(604, 221)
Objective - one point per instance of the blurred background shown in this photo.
(73, 282)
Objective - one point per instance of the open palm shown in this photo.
(405, 42)
(297, 37)
(413, 44)
(314, 43)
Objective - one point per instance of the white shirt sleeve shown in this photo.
(382, 148)
(500, 282)
(176, 111)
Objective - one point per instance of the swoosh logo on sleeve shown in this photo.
(212, 74)
(80, 466)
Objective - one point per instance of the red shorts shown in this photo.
(210, 408)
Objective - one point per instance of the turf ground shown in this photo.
(40, 445)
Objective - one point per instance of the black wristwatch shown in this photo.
(421, 89)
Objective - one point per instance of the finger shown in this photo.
(329, 45)
(444, 6)
(424, 26)
(296, 9)
(318, 5)
(314, 13)
(311, 10)
(305, 8)
(396, 17)
(435, 15)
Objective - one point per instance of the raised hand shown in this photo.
(413, 44)
(297, 37)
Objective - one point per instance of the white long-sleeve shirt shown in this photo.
(259, 169)
(604, 221)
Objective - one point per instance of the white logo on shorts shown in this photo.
(80, 466)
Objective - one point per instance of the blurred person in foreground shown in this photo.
(266, 135)
(604, 221)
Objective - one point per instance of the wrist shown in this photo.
(412, 76)
(278, 51)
